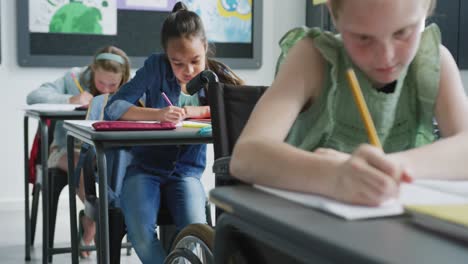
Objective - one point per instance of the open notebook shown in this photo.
(421, 192)
(52, 107)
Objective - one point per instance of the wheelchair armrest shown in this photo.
(221, 168)
(221, 171)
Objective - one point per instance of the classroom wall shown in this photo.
(17, 82)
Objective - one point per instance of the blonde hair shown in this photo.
(335, 6)
(107, 65)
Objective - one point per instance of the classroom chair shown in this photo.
(57, 180)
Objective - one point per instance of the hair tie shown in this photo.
(111, 56)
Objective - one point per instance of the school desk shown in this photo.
(297, 234)
(42, 116)
(101, 140)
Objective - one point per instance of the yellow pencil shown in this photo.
(363, 110)
(77, 83)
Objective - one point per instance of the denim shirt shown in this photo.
(155, 77)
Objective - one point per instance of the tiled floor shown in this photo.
(12, 250)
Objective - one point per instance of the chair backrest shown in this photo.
(35, 153)
(231, 106)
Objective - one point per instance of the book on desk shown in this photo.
(447, 219)
(418, 193)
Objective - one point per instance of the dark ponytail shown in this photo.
(182, 23)
(225, 74)
(179, 6)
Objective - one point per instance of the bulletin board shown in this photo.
(66, 33)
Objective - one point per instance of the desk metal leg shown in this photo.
(103, 220)
(72, 199)
(52, 216)
(27, 220)
(45, 189)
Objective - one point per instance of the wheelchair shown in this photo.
(231, 107)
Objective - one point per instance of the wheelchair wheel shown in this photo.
(197, 238)
(182, 256)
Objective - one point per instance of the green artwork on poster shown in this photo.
(98, 17)
(75, 17)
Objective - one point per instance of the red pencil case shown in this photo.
(131, 125)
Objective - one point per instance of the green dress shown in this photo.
(403, 118)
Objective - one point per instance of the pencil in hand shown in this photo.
(166, 99)
(366, 117)
(363, 110)
(76, 82)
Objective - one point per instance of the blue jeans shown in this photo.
(140, 200)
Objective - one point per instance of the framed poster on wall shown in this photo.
(64, 33)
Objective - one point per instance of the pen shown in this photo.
(77, 83)
(205, 131)
(363, 110)
(166, 98)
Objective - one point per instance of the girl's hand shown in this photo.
(172, 114)
(83, 98)
(197, 111)
(367, 177)
(333, 154)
